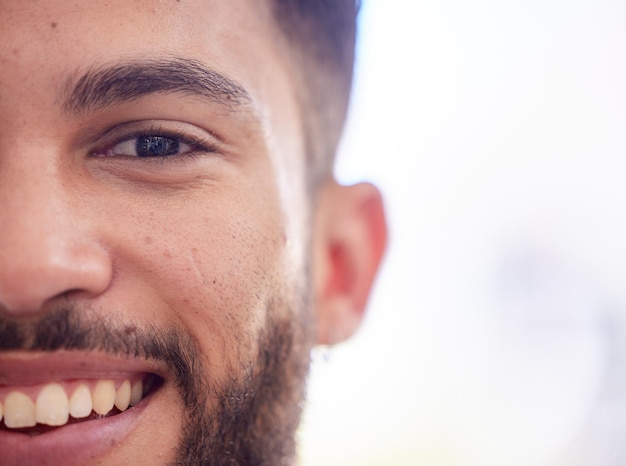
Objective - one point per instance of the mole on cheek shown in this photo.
(53, 25)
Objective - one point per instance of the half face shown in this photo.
(152, 235)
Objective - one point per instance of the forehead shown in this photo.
(114, 25)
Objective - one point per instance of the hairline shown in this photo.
(323, 76)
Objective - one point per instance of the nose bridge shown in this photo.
(31, 213)
(45, 251)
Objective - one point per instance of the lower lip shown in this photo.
(72, 445)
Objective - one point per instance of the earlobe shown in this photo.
(350, 240)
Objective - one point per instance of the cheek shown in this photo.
(211, 271)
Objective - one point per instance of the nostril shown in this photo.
(28, 281)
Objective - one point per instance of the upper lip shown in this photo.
(19, 368)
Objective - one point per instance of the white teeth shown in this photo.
(137, 393)
(80, 402)
(104, 396)
(52, 407)
(19, 411)
(122, 396)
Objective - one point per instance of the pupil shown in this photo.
(156, 146)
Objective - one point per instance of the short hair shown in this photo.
(321, 35)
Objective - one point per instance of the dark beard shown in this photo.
(258, 407)
(257, 416)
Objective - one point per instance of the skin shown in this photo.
(221, 243)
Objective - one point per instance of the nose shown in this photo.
(48, 249)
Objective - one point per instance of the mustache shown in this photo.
(66, 329)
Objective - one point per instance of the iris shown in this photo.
(156, 146)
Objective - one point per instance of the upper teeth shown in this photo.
(53, 406)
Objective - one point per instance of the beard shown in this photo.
(255, 411)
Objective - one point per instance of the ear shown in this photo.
(350, 239)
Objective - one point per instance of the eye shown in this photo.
(156, 141)
(150, 146)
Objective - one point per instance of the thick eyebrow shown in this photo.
(127, 81)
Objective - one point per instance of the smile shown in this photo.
(56, 404)
(48, 400)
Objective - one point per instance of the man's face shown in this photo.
(152, 233)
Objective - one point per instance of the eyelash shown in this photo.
(197, 146)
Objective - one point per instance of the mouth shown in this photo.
(70, 409)
(38, 409)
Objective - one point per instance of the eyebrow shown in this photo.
(128, 81)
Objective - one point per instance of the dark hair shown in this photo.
(321, 33)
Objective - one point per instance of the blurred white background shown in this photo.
(497, 331)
